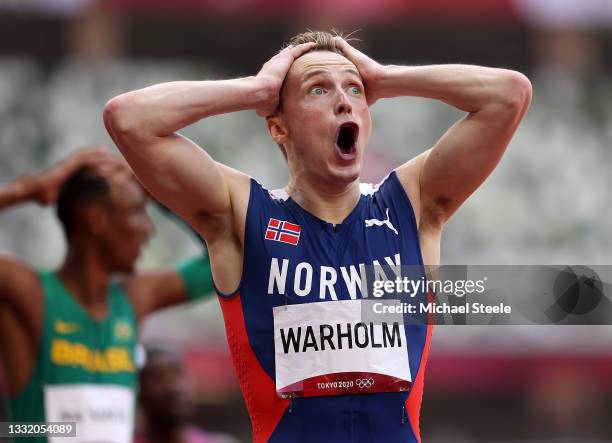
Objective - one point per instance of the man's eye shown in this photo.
(355, 90)
(317, 90)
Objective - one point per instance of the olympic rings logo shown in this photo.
(364, 383)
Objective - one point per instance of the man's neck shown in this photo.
(85, 277)
(330, 204)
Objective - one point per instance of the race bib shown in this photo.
(327, 348)
(103, 413)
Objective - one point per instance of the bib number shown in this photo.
(103, 413)
(327, 348)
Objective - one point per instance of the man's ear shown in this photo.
(277, 129)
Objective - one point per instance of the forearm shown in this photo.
(18, 191)
(468, 88)
(163, 109)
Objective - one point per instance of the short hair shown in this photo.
(82, 187)
(324, 40)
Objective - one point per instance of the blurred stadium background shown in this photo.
(547, 203)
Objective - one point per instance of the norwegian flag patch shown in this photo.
(283, 231)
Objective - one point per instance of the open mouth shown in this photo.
(347, 137)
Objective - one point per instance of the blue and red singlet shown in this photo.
(290, 317)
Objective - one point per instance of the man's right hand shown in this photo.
(273, 73)
(210, 196)
(46, 184)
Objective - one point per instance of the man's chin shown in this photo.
(344, 175)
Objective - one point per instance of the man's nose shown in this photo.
(343, 105)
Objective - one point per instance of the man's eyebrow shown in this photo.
(352, 71)
(323, 71)
(313, 74)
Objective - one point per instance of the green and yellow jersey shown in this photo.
(85, 371)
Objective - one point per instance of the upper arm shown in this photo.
(174, 170)
(211, 197)
(21, 319)
(19, 286)
(21, 301)
(447, 174)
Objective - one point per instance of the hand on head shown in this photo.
(273, 73)
(112, 167)
(369, 69)
(98, 157)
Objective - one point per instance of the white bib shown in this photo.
(103, 413)
(327, 348)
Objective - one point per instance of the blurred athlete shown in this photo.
(290, 265)
(166, 398)
(68, 337)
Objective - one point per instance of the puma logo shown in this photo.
(387, 223)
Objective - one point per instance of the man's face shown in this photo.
(129, 226)
(326, 118)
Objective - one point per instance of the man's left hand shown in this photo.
(370, 70)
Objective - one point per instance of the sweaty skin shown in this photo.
(214, 197)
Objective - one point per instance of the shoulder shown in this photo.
(409, 176)
(216, 227)
(18, 280)
(390, 187)
(392, 193)
(21, 298)
(238, 184)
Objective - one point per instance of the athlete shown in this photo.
(289, 265)
(68, 337)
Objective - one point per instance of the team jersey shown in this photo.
(85, 371)
(310, 369)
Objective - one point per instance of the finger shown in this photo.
(107, 157)
(108, 168)
(100, 155)
(340, 43)
(103, 162)
(102, 165)
(283, 52)
(85, 157)
(107, 165)
(346, 48)
(300, 49)
(92, 150)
